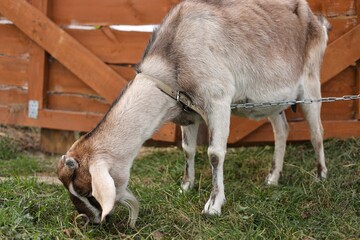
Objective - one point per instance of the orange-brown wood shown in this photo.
(339, 8)
(14, 71)
(357, 90)
(113, 46)
(38, 65)
(62, 80)
(110, 12)
(340, 26)
(341, 53)
(241, 127)
(13, 42)
(77, 103)
(65, 120)
(316, 5)
(299, 131)
(13, 96)
(63, 47)
(50, 119)
(343, 84)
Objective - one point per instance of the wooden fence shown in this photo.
(53, 76)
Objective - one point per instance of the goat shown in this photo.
(218, 52)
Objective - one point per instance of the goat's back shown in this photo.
(248, 48)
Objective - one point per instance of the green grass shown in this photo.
(299, 208)
(14, 161)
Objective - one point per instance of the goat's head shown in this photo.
(92, 189)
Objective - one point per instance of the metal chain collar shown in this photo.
(293, 102)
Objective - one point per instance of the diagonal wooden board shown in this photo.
(83, 63)
(340, 54)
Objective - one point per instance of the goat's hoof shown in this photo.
(322, 175)
(271, 180)
(320, 178)
(213, 208)
(211, 212)
(186, 186)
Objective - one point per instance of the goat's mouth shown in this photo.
(89, 207)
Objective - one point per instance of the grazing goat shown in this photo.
(213, 53)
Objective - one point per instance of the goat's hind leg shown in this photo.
(312, 115)
(281, 131)
(189, 137)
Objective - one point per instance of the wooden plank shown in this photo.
(242, 127)
(357, 89)
(75, 121)
(110, 12)
(13, 42)
(343, 84)
(340, 26)
(316, 5)
(61, 80)
(13, 96)
(14, 71)
(341, 53)
(335, 8)
(113, 46)
(60, 44)
(77, 103)
(38, 65)
(299, 131)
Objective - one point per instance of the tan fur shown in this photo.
(218, 52)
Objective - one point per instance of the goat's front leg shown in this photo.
(219, 124)
(281, 131)
(189, 137)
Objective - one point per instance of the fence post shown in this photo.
(38, 73)
(357, 103)
(52, 141)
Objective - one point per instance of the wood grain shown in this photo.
(63, 47)
(62, 80)
(77, 103)
(341, 53)
(13, 42)
(14, 71)
(13, 97)
(113, 46)
(110, 12)
(65, 120)
(38, 65)
(299, 132)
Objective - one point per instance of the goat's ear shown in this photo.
(103, 188)
(70, 162)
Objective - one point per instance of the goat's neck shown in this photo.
(133, 119)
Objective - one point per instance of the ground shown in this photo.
(301, 207)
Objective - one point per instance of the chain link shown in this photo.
(293, 102)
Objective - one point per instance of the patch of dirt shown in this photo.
(27, 138)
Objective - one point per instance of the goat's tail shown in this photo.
(130, 201)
